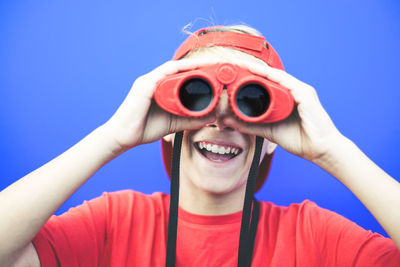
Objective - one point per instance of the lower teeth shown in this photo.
(217, 157)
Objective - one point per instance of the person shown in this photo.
(128, 228)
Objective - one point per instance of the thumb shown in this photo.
(258, 129)
(178, 123)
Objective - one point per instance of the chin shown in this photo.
(215, 162)
(218, 185)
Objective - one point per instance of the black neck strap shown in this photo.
(244, 257)
(247, 234)
(173, 204)
(253, 231)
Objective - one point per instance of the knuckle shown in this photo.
(311, 90)
(140, 79)
(169, 64)
(309, 87)
(172, 124)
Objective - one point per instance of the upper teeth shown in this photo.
(218, 149)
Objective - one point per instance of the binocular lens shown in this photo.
(196, 94)
(252, 100)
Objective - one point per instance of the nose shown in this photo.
(222, 110)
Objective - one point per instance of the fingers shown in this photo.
(178, 124)
(174, 66)
(146, 84)
(160, 123)
(263, 130)
(301, 91)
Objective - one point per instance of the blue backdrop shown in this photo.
(65, 67)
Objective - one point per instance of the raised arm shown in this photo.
(27, 204)
(310, 133)
(377, 190)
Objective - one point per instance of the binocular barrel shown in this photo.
(196, 93)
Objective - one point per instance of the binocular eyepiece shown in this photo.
(252, 99)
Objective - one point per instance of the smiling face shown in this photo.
(216, 159)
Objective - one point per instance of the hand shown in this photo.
(308, 132)
(139, 120)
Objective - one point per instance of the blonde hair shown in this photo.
(226, 52)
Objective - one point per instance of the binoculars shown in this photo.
(196, 92)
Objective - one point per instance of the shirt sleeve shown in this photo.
(76, 238)
(344, 243)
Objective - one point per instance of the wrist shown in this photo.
(337, 151)
(105, 138)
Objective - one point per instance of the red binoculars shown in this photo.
(195, 93)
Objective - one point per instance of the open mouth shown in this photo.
(217, 153)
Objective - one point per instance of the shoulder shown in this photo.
(308, 215)
(133, 196)
(306, 207)
(328, 234)
(307, 219)
(127, 201)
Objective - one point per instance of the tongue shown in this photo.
(217, 157)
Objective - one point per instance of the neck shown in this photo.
(202, 202)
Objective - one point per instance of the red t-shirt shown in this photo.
(128, 228)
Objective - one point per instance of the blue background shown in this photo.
(66, 66)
